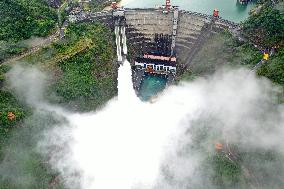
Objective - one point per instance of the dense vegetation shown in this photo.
(100, 4)
(20, 20)
(84, 60)
(265, 28)
(23, 19)
(217, 170)
(84, 77)
(274, 68)
(9, 103)
(22, 166)
(222, 49)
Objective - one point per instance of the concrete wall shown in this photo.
(142, 24)
(148, 22)
(190, 28)
(192, 32)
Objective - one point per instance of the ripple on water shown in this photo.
(151, 86)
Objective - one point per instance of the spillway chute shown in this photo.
(124, 43)
(118, 44)
(121, 45)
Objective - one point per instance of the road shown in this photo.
(45, 42)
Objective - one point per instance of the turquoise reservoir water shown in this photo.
(229, 9)
(151, 86)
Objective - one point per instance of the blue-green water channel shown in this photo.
(151, 86)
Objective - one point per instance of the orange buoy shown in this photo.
(11, 116)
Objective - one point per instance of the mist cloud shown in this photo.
(165, 144)
(28, 83)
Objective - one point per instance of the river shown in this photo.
(229, 9)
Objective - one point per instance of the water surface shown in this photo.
(151, 86)
(229, 9)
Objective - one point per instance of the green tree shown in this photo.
(23, 19)
(265, 28)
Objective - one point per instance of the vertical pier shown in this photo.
(174, 34)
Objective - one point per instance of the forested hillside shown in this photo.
(22, 19)
(265, 28)
(83, 77)
(264, 31)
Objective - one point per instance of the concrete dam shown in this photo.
(191, 30)
(182, 33)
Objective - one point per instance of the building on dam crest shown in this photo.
(156, 64)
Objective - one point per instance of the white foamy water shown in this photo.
(118, 41)
(124, 40)
(125, 144)
(122, 145)
(125, 85)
